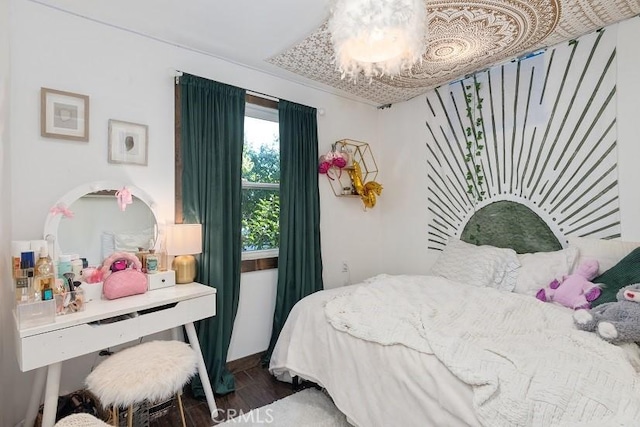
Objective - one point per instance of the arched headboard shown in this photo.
(508, 224)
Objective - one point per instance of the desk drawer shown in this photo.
(183, 312)
(46, 348)
(63, 344)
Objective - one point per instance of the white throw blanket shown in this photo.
(526, 362)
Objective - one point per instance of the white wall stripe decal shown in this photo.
(548, 142)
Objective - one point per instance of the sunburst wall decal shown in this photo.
(549, 142)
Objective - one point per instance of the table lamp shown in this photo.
(183, 241)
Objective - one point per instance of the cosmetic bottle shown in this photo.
(17, 247)
(152, 262)
(43, 280)
(142, 256)
(76, 266)
(64, 265)
(22, 287)
(47, 289)
(24, 283)
(162, 254)
(16, 266)
(27, 260)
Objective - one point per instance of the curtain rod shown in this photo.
(262, 95)
(177, 74)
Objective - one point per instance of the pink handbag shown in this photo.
(123, 283)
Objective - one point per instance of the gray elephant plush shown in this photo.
(616, 322)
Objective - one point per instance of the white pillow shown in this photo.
(607, 252)
(131, 241)
(108, 244)
(540, 268)
(478, 265)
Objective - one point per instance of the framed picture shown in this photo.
(64, 115)
(128, 143)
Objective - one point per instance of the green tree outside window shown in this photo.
(261, 196)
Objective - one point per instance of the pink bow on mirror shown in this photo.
(124, 197)
(61, 209)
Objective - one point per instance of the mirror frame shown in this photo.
(53, 221)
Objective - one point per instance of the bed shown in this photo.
(468, 344)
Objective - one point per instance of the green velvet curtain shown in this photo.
(212, 137)
(299, 259)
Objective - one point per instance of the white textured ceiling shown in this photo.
(288, 37)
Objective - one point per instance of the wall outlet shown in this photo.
(346, 276)
(345, 267)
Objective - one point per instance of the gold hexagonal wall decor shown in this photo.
(357, 177)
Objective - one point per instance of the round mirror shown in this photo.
(89, 221)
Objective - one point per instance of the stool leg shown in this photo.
(184, 423)
(130, 416)
(115, 415)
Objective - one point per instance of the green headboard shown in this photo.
(507, 224)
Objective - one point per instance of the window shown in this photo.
(260, 183)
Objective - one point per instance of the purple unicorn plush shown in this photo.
(574, 291)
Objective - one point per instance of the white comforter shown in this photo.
(525, 361)
(374, 385)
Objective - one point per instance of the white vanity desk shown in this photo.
(76, 334)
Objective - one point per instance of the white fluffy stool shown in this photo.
(81, 420)
(152, 371)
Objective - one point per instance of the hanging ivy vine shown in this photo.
(474, 142)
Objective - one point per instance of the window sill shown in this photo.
(259, 260)
(267, 253)
(257, 264)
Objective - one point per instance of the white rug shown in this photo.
(309, 407)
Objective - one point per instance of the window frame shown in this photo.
(263, 109)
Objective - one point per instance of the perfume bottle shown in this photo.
(44, 280)
(142, 256)
(161, 253)
(24, 279)
(152, 262)
(22, 286)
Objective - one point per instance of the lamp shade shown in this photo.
(184, 239)
(377, 37)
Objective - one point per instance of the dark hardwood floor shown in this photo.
(255, 387)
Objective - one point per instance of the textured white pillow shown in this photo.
(131, 241)
(607, 252)
(540, 268)
(478, 265)
(108, 243)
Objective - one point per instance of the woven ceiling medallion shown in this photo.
(465, 36)
(377, 37)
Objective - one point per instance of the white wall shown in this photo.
(628, 93)
(128, 77)
(403, 143)
(7, 373)
(405, 188)
(252, 328)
